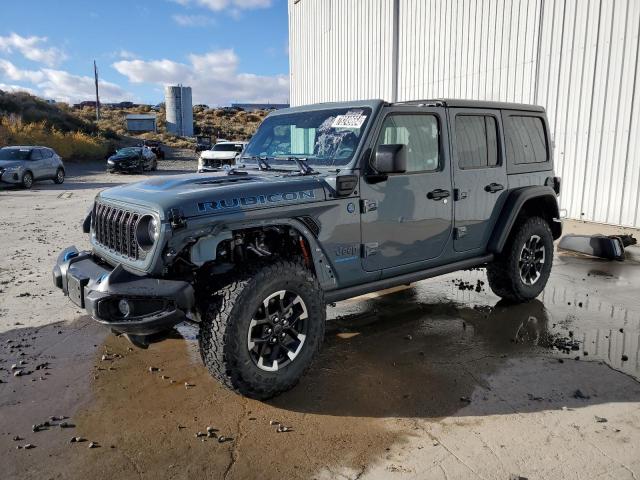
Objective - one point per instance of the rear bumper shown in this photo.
(154, 304)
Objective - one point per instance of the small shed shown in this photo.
(141, 122)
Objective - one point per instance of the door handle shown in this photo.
(438, 194)
(493, 188)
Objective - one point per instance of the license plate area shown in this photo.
(75, 286)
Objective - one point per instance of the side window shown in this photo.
(526, 140)
(420, 134)
(476, 141)
(36, 154)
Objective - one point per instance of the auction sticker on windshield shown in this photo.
(351, 119)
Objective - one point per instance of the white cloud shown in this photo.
(126, 54)
(60, 84)
(213, 76)
(32, 48)
(219, 5)
(9, 71)
(193, 20)
(16, 88)
(68, 87)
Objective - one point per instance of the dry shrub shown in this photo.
(70, 146)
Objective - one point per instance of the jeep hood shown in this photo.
(218, 194)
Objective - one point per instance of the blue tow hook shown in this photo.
(69, 255)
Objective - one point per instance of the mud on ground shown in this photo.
(440, 380)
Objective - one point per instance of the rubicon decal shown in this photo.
(253, 200)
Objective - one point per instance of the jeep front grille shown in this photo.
(115, 228)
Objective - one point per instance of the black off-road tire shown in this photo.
(504, 272)
(226, 318)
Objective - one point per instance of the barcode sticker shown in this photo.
(351, 119)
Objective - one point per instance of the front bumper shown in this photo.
(155, 304)
(118, 167)
(10, 177)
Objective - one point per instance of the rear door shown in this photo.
(407, 217)
(480, 177)
(50, 161)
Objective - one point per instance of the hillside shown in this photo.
(31, 109)
(74, 132)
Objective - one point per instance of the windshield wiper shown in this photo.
(261, 161)
(303, 165)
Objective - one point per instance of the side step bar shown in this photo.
(404, 279)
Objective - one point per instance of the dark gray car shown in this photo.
(23, 165)
(327, 202)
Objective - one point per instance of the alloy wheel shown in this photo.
(278, 330)
(532, 259)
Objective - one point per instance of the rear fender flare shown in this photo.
(513, 206)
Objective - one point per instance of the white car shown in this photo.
(222, 153)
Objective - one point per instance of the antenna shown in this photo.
(95, 75)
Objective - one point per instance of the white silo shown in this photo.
(179, 110)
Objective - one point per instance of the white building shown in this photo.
(577, 58)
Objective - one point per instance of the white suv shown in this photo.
(222, 153)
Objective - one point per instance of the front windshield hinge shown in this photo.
(229, 170)
(303, 166)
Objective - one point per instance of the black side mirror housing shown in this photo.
(390, 159)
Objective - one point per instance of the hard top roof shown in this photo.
(461, 103)
(444, 102)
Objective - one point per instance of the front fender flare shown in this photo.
(323, 268)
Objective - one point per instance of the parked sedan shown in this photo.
(132, 159)
(22, 165)
(222, 153)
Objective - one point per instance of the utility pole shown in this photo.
(95, 75)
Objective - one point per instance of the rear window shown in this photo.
(476, 141)
(526, 140)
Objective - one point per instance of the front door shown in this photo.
(38, 164)
(480, 177)
(407, 217)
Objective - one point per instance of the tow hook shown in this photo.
(176, 217)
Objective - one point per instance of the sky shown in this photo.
(226, 50)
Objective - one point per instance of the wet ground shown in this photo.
(439, 380)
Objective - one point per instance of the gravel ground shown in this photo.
(439, 380)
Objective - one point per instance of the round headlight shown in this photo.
(154, 230)
(147, 232)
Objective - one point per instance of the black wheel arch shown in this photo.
(528, 201)
(322, 267)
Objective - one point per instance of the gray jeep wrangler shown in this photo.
(327, 202)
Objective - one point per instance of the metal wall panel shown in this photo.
(577, 58)
(339, 50)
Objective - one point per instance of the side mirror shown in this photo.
(390, 159)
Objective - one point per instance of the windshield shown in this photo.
(128, 150)
(227, 147)
(14, 153)
(323, 137)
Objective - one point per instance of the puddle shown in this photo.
(445, 348)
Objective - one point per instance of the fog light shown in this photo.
(124, 307)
